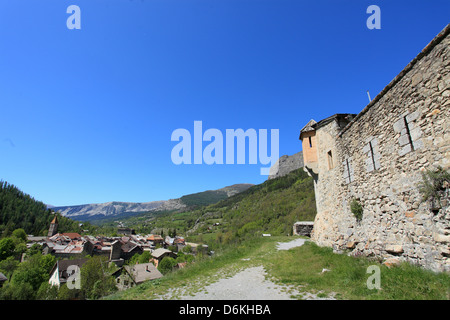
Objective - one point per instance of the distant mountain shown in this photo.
(87, 212)
(286, 164)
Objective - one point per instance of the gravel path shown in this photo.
(291, 244)
(248, 284)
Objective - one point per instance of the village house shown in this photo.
(160, 254)
(196, 248)
(180, 243)
(129, 249)
(117, 249)
(168, 241)
(61, 270)
(155, 240)
(125, 231)
(130, 276)
(177, 242)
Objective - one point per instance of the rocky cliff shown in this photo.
(286, 164)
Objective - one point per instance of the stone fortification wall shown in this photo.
(378, 160)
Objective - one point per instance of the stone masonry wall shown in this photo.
(379, 159)
(326, 186)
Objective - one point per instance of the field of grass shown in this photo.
(301, 268)
(347, 276)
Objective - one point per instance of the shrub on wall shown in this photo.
(434, 185)
(356, 209)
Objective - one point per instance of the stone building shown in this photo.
(376, 159)
(64, 269)
(53, 229)
(130, 276)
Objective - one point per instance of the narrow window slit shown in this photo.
(408, 133)
(348, 170)
(330, 160)
(372, 156)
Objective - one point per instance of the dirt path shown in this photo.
(248, 284)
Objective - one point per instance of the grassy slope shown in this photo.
(271, 207)
(299, 268)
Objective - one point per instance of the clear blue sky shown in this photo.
(87, 115)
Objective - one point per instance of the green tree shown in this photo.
(64, 293)
(96, 280)
(33, 271)
(8, 266)
(35, 248)
(18, 291)
(47, 291)
(6, 248)
(172, 232)
(20, 248)
(166, 265)
(20, 211)
(140, 258)
(20, 234)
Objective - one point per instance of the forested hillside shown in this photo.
(20, 210)
(271, 207)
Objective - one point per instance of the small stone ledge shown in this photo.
(303, 228)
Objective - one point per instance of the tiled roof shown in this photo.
(160, 252)
(72, 235)
(143, 272)
(308, 126)
(154, 237)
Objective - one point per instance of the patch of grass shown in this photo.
(348, 276)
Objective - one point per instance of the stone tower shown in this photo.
(53, 227)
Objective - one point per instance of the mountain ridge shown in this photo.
(85, 212)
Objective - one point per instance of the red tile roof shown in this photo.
(154, 237)
(72, 235)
